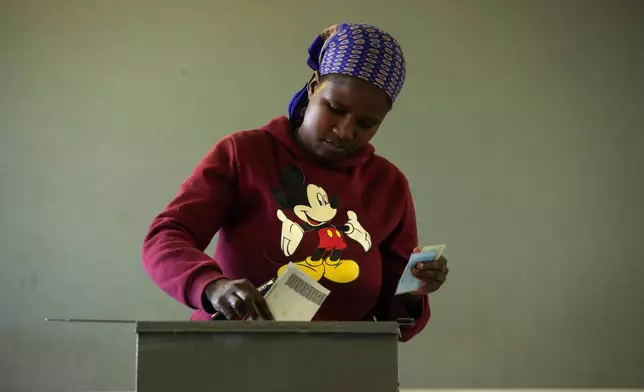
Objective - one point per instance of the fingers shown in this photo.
(432, 266)
(430, 275)
(264, 312)
(432, 270)
(224, 306)
(440, 264)
(247, 307)
(239, 299)
(260, 310)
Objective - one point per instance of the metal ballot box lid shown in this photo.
(242, 356)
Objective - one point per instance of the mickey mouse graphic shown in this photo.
(311, 204)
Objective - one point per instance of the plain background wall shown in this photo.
(521, 130)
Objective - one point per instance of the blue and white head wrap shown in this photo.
(358, 50)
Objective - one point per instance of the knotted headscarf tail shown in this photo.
(359, 50)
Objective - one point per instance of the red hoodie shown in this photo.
(355, 218)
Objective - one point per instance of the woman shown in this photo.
(306, 189)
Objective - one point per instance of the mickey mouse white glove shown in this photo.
(357, 232)
(292, 234)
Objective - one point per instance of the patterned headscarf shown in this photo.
(359, 50)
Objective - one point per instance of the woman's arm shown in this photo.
(173, 249)
(395, 252)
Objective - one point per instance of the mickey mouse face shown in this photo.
(318, 210)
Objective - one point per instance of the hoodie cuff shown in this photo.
(196, 293)
(420, 313)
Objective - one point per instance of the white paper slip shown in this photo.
(408, 282)
(295, 296)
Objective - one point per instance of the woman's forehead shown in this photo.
(356, 93)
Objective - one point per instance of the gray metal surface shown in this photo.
(267, 356)
(359, 327)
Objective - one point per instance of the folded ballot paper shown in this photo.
(295, 296)
(408, 282)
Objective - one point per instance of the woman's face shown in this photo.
(343, 114)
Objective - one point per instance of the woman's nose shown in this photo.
(344, 129)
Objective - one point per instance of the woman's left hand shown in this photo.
(432, 273)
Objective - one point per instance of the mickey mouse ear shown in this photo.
(291, 176)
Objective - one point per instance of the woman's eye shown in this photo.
(336, 110)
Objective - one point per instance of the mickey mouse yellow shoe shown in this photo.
(341, 271)
(314, 269)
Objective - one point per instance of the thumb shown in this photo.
(281, 216)
(416, 250)
(351, 215)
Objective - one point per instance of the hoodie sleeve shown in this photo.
(395, 251)
(173, 249)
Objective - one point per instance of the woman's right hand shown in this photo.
(237, 299)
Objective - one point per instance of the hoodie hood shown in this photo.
(283, 132)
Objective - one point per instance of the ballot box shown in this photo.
(242, 356)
